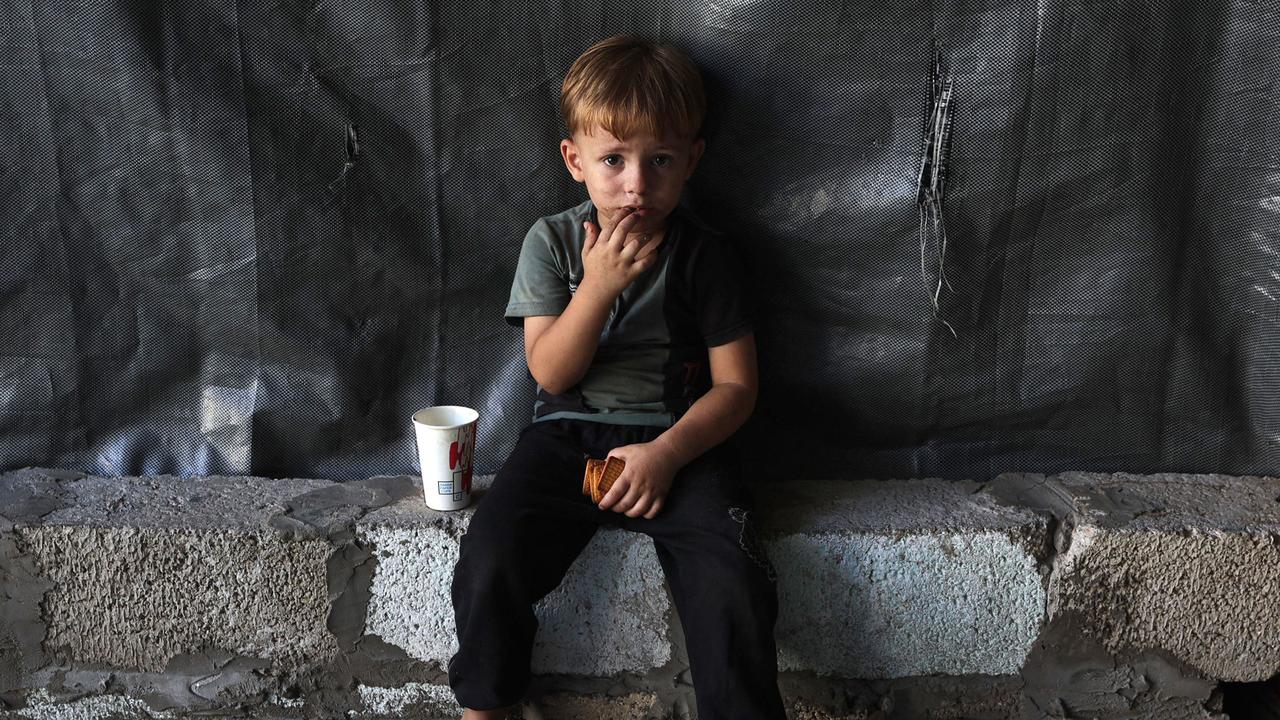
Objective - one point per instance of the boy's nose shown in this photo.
(636, 182)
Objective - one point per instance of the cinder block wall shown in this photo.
(1078, 595)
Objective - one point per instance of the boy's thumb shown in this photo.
(592, 234)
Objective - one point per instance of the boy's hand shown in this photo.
(611, 260)
(644, 483)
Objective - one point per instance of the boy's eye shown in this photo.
(661, 160)
(612, 160)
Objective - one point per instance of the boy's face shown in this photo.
(642, 172)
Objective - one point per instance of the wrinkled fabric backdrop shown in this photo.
(255, 237)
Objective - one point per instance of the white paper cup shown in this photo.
(446, 444)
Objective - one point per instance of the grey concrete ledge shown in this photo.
(1189, 564)
(302, 598)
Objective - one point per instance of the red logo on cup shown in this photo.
(455, 453)
(460, 454)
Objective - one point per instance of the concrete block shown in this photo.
(136, 597)
(1185, 563)
(632, 706)
(409, 602)
(416, 700)
(118, 595)
(901, 578)
(423, 700)
(146, 569)
(584, 631)
(609, 615)
(101, 707)
(1071, 673)
(930, 697)
(801, 710)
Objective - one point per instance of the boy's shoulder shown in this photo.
(566, 225)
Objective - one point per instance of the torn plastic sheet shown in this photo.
(932, 184)
(254, 239)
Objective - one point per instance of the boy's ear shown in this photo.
(695, 154)
(572, 159)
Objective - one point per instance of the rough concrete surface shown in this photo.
(801, 710)
(929, 697)
(182, 592)
(421, 700)
(944, 697)
(624, 630)
(212, 503)
(1189, 564)
(926, 577)
(1171, 502)
(136, 597)
(144, 569)
(22, 629)
(103, 707)
(881, 607)
(632, 706)
(249, 597)
(1070, 674)
(409, 603)
(883, 507)
(582, 631)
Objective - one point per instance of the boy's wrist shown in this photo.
(664, 443)
(595, 293)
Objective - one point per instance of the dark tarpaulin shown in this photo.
(254, 238)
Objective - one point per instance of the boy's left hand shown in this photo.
(644, 483)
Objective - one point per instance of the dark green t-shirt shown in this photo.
(651, 363)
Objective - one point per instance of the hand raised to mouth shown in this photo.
(613, 257)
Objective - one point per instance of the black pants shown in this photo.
(533, 523)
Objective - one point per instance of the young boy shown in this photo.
(635, 332)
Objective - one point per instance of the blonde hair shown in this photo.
(631, 86)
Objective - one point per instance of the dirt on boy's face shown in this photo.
(641, 172)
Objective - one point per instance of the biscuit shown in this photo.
(612, 469)
(600, 476)
(591, 477)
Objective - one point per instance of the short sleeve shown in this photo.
(541, 284)
(721, 304)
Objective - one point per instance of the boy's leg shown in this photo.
(724, 588)
(526, 532)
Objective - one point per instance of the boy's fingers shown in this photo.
(619, 231)
(627, 500)
(606, 229)
(653, 511)
(647, 249)
(644, 263)
(615, 493)
(631, 253)
(640, 508)
(622, 505)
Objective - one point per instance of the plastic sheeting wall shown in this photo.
(254, 237)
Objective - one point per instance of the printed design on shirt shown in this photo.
(749, 541)
(691, 370)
